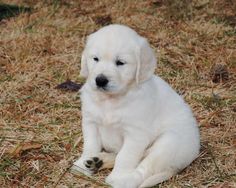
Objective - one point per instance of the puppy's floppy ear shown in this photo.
(146, 61)
(84, 72)
(84, 66)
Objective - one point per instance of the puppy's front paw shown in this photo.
(87, 165)
(93, 164)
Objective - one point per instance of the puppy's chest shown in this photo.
(109, 113)
(110, 117)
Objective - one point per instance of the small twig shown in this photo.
(209, 117)
(93, 179)
(221, 173)
(62, 175)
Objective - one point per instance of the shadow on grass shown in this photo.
(7, 11)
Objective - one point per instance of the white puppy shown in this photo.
(132, 119)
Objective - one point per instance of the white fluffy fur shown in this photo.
(145, 128)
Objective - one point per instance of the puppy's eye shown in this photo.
(119, 63)
(96, 59)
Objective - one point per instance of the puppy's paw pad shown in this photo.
(88, 163)
(96, 159)
(93, 164)
(98, 162)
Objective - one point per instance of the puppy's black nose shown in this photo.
(101, 80)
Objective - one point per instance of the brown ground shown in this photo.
(40, 126)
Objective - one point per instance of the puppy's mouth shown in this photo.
(103, 89)
(109, 89)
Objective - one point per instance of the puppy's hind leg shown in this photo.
(157, 178)
(159, 163)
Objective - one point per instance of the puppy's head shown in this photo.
(115, 58)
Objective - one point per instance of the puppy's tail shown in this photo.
(157, 178)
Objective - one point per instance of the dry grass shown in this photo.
(40, 126)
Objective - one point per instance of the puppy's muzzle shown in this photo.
(101, 81)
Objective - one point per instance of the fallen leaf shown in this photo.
(69, 86)
(16, 151)
(219, 73)
(157, 3)
(68, 147)
(231, 20)
(103, 20)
